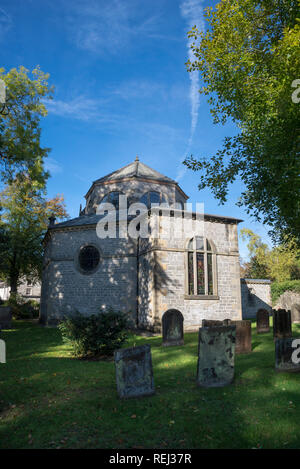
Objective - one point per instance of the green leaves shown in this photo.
(248, 59)
(20, 147)
(23, 223)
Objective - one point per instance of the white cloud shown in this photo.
(81, 108)
(5, 23)
(192, 12)
(103, 27)
(53, 166)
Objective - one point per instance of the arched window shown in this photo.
(201, 266)
(112, 198)
(153, 197)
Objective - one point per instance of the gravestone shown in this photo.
(243, 336)
(295, 311)
(5, 317)
(2, 351)
(172, 328)
(282, 324)
(284, 359)
(134, 374)
(262, 321)
(213, 323)
(216, 351)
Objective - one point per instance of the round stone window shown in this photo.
(89, 258)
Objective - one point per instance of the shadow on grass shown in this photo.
(50, 400)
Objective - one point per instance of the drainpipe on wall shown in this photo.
(137, 280)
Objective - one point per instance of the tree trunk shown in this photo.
(13, 284)
(14, 275)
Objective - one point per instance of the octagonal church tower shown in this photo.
(195, 272)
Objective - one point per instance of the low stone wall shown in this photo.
(290, 300)
(256, 294)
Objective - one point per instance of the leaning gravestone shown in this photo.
(282, 324)
(5, 317)
(134, 373)
(243, 336)
(262, 321)
(216, 350)
(284, 358)
(172, 327)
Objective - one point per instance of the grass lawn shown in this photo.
(50, 400)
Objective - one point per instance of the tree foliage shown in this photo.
(279, 264)
(23, 222)
(20, 132)
(249, 58)
(97, 334)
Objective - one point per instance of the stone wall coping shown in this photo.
(256, 280)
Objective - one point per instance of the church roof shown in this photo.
(93, 219)
(136, 169)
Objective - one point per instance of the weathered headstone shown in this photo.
(134, 372)
(5, 317)
(216, 351)
(282, 324)
(172, 328)
(262, 321)
(2, 351)
(212, 323)
(286, 356)
(295, 312)
(243, 336)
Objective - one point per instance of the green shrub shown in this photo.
(22, 308)
(278, 288)
(98, 334)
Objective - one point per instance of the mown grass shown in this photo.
(50, 400)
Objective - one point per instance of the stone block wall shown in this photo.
(256, 294)
(66, 289)
(170, 277)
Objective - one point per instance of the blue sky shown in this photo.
(121, 89)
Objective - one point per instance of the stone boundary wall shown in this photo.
(256, 294)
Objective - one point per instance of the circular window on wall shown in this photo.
(89, 258)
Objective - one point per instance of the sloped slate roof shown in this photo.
(135, 169)
(86, 220)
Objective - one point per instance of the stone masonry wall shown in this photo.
(171, 271)
(256, 294)
(134, 191)
(66, 289)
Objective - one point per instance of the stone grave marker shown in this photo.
(295, 311)
(5, 317)
(134, 374)
(216, 351)
(213, 323)
(243, 336)
(282, 324)
(172, 328)
(284, 359)
(262, 321)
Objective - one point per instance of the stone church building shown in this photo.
(197, 273)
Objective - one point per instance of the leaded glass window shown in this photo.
(89, 258)
(153, 197)
(201, 267)
(112, 198)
